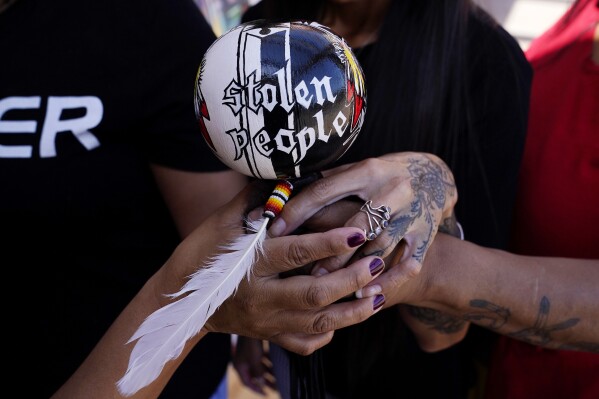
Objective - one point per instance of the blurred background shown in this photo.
(223, 14)
(523, 19)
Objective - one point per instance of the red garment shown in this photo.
(557, 210)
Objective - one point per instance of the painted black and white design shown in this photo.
(280, 100)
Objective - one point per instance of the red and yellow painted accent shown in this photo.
(355, 83)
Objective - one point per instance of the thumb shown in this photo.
(253, 195)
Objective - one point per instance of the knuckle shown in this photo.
(297, 254)
(316, 296)
(323, 322)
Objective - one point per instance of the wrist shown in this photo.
(446, 282)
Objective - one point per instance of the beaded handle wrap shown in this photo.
(277, 200)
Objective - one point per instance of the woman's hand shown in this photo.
(298, 313)
(418, 188)
(251, 361)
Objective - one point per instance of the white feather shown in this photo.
(162, 336)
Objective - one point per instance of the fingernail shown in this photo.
(376, 266)
(277, 228)
(379, 301)
(255, 214)
(356, 240)
(321, 271)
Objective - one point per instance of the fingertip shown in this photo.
(378, 302)
(356, 239)
(255, 214)
(376, 266)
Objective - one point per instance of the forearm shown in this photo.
(99, 373)
(549, 302)
(433, 329)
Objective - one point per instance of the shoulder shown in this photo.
(169, 35)
(178, 22)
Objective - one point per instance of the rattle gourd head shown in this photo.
(279, 99)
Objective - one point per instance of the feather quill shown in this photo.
(162, 336)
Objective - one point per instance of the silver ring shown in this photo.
(378, 219)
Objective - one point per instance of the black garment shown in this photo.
(91, 92)
(390, 363)
(380, 357)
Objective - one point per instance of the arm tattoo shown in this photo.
(540, 332)
(494, 317)
(438, 321)
(431, 183)
(491, 316)
(397, 230)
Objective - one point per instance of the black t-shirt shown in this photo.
(380, 358)
(91, 92)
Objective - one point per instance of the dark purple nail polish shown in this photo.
(379, 301)
(356, 240)
(376, 266)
